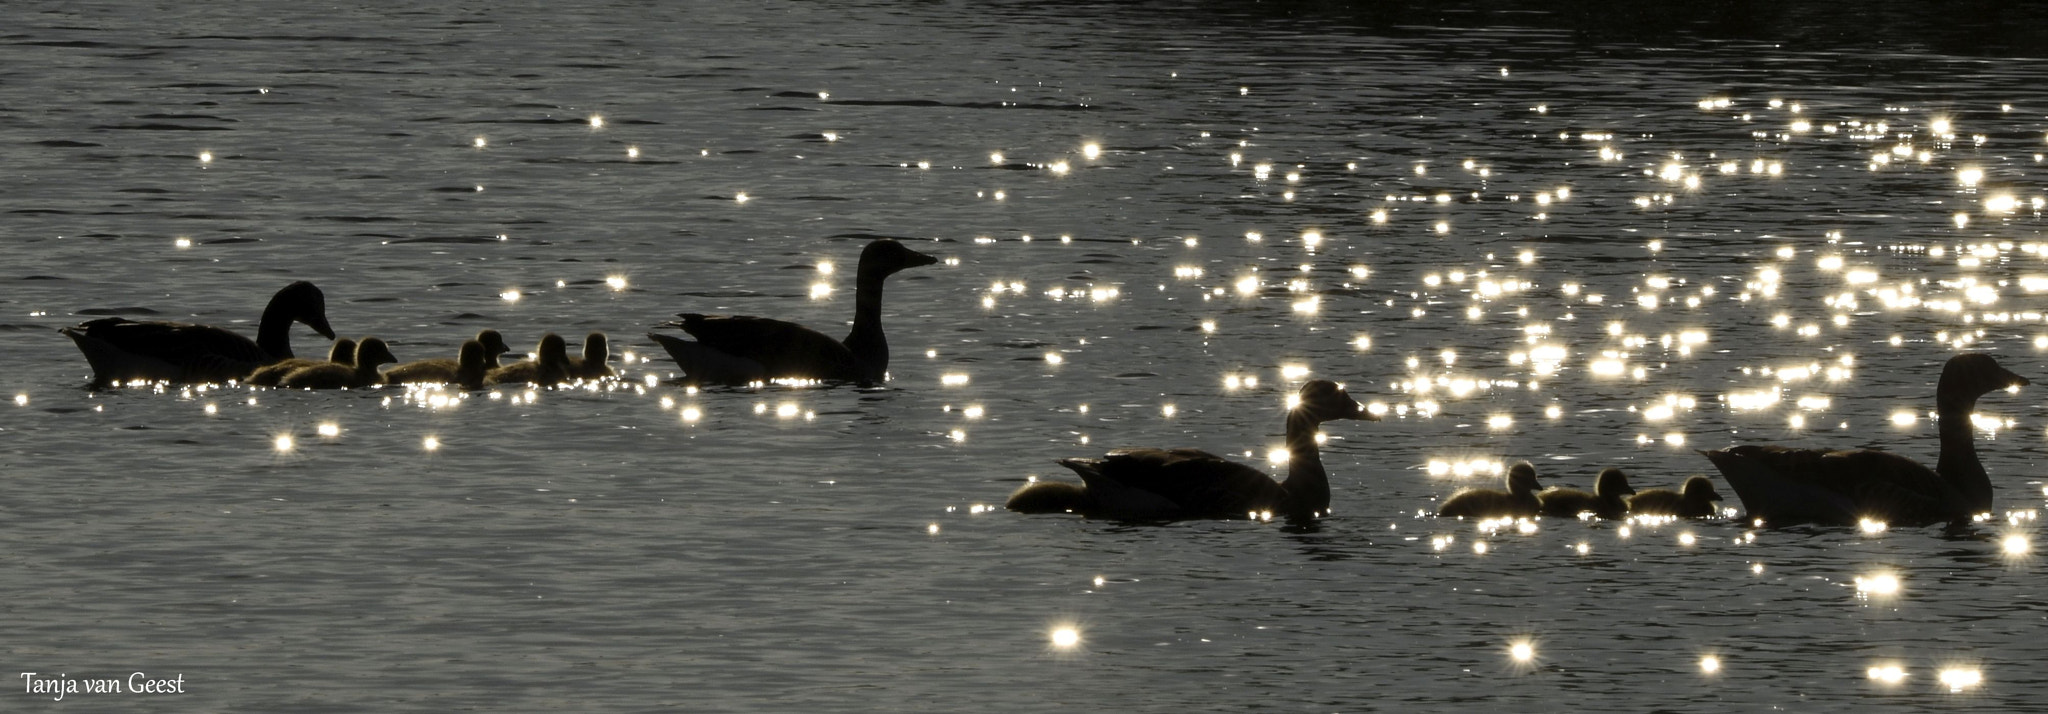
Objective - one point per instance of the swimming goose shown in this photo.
(740, 350)
(1169, 484)
(466, 371)
(1606, 501)
(592, 364)
(370, 352)
(1519, 501)
(1781, 485)
(492, 342)
(343, 352)
(1693, 500)
(123, 350)
(549, 367)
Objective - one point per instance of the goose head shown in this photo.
(553, 350)
(1522, 480)
(595, 350)
(343, 351)
(884, 257)
(471, 356)
(1699, 489)
(1327, 401)
(1968, 376)
(493, 343)
(371, 352)
(1612, 483)
(304, 303)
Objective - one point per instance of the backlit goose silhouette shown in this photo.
(1693, 500)
(465, 371)
(1170, 484)
(1519, 501)
(370, 352)
(1780, 485)
(343, 352)
(1608, 499)
(549, 366)
(592, 365)
(742, 350)
(123, 350)
(442, 370)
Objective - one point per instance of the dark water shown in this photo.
(833, 549)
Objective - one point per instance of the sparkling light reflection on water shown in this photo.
(1511, 244)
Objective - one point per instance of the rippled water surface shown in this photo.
(1577, 240)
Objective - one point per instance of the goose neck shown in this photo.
(1958, 463)
(274, 331)
(1307, 484)
(866, 341)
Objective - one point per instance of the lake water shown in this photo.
(1602, 237)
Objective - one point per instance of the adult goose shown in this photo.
(549, 366)
(343, 352)
(1695, 499)
(732, 349)
(370, 352)
(1519, 501)
(1608, 499)
(465, 371)
(1171, 484)
(1781, 485)
(592, 365)
(123, 350)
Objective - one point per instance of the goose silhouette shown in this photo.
(123, 350)
(1174, 484)
(1695, 499)
(466, 370)
(1781, 485)
(592, 365)
(731, 349)
(1608, 499)
(370, 352)
(1518, 501)
(549, 366)
(342, 352)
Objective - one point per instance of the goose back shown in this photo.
(1783, 485)
(781, 349)
(1148, 483)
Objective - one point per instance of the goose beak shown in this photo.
(319, 324)
(2017, 381)
(1364, 413)
(918, 259)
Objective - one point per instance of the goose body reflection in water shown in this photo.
(123, 350)
(1172, 484)
(1781, 485)
(733, 349)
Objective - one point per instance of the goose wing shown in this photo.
(439, 370)
(120, 349)
(783, 349)
(1197, 483)
(1786, 485)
